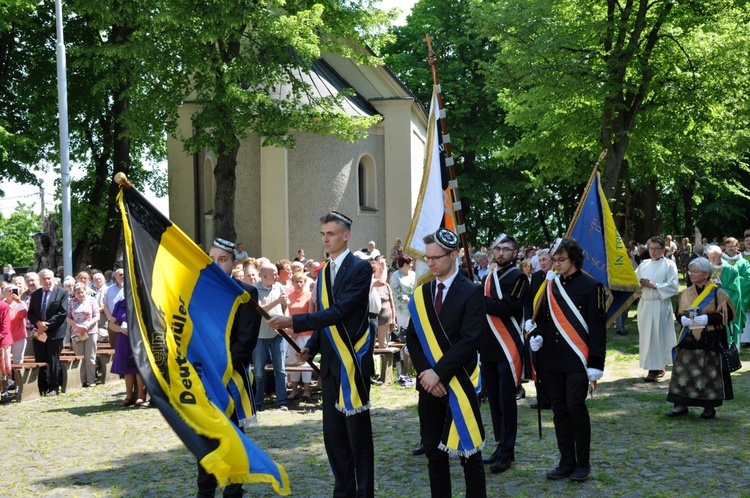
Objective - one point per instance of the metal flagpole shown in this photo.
(62, 102)
(457, 207)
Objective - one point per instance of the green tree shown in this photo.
(242, 63)
(16, 244)
(646, 81)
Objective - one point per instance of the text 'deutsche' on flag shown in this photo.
(434, 207)
(605, 254)
(180, 308)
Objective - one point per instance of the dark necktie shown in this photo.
(45, 298)
(439, 298)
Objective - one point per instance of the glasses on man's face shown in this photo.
(434, 258)
(559, 260)
(504, 249)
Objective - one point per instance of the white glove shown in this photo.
(701, 320)
(550, 275)
(685, 321)
(536, 343)
(594, 374)
(529, 326)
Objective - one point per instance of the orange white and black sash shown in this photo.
(353, 394)
(463, 432)
(568, 320)
(507, 331)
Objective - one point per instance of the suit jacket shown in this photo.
(57, 311)
(462, 316)
(351, 292)
(515, 286)
(245, 328)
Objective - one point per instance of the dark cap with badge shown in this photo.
(224, 245)
(446, 239)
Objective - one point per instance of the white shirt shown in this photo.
(338, 262)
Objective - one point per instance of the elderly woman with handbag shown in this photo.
(699, 376)
(83, 320)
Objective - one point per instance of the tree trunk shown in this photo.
(226, 183)
(646, 198)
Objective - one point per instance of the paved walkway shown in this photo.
(83, 444)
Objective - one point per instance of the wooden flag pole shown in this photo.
(448, 153)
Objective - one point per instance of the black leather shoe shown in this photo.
(520, 393)
(559, 473)
(534, 406)
(680, 413)
(580, 473)
(708, 416)
(494, 457)
(500, 465)
(622, 332)
(419, 450)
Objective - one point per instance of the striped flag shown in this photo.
(180, 308)
(434, 205)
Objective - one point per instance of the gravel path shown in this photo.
(83, 444)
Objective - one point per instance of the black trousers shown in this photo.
(349, 446)
(567, 391)
(207, 486)
(432, 412)
(50, 377)
(501, 394)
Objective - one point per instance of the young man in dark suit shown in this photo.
(48, 310)
(341, 330)
(449, 312)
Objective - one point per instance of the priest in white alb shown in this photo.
(659, 282)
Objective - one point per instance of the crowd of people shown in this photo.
(524, 306)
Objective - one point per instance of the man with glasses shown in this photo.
(571, 337)
(505, 296)
(658, 278)
(443, 337)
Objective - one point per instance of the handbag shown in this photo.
(730, 359)
(130, 361)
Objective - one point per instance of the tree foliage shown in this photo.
(661, 85)
(16, 244)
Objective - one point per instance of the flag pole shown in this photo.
(457, 207)
(572, 224)
(122, 179)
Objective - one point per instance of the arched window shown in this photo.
(368, 199)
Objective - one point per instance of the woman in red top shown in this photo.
(18, 312)
(6, 370)
(300, 301)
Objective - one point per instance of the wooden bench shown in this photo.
(386, 361)
(26, 376)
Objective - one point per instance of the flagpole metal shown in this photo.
(457, 207)
(62, 102)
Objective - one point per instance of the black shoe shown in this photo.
(680, 413)
(52, 393)
(419, 450)
(580, 473)
(621, 332)
(708, 416)
(500, 465)
(559, 473)
(534, 406)
(520, 393)
(376, 382)
(494, 457)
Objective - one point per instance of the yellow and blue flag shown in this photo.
(180, 308)
(605, 254)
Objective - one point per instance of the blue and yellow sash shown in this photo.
(463, 433)
(568, 320)
(700, 302)
(353, 394)
(509, 334)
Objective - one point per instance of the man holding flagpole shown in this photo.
(571, 337)
(341, 335)
(242, 341)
